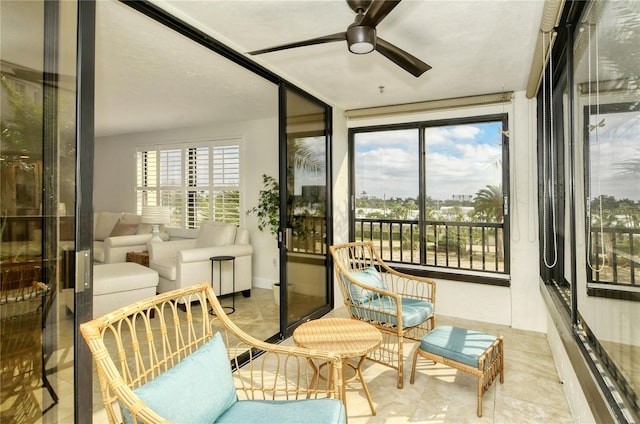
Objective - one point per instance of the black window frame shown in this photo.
(494, 278)
(612, 290)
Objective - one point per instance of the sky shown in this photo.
(460, 160)
(614, 143)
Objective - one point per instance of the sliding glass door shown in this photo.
(304, 211)
(43, 134)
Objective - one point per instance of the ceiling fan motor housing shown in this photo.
(361, 39)
(359, 5)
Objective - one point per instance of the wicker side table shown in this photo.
(347, 337)
(141, 258)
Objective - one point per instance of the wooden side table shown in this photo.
(141, 258)
(347, 337)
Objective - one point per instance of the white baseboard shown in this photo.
(263, 283)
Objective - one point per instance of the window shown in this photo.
(434, 193)
(612, 159)
(199, 182)
(589, 201)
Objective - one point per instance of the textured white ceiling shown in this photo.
(151, 78)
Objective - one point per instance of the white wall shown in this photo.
(114, 175)
(340, 169)
(520, 305)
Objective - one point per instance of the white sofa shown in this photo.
(181, 263)
(116, 233)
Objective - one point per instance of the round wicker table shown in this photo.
(347, 337)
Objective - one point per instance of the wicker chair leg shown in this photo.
(480, 388)
(400, 363)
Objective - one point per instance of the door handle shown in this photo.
(288, 235)
(83, 270)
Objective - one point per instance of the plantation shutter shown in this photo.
(146, 178)
(226, 183)
(171, 185)
(197, 193)
(199, 181)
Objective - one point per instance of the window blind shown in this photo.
(199, 181)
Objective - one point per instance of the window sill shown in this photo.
(501, 280)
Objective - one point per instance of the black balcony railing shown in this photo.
(309, 234)
(615, 255)
(477, 246)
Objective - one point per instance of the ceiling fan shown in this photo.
(361, 36)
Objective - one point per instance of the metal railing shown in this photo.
(615, 255)
(309, 234)
(477, 246)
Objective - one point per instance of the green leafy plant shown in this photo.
(268, 208)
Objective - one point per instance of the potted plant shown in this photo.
(268, 208)
(268, 212)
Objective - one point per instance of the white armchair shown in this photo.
(181, 263)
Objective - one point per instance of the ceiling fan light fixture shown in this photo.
(361, 39)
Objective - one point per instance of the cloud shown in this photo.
(391, 172)
(613, 145)
(460, 159)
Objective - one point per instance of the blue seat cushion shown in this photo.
(285, 411)
(368, 277)
(197, 390)
(383, 309)
(458, 344)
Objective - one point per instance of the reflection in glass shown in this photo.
(37, 193)
(606, 74)
(306, 207)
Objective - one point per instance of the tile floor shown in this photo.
(531, 393)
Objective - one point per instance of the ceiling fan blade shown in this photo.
(406, 61)
(340, 36)
(378, 10)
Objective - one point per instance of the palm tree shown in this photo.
(488, 203)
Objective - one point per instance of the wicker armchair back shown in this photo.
(130, 348)
(399, 305)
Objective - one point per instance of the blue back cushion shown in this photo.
(368, 277)
(197, 390)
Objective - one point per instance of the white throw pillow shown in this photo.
(216, 234)
(130, 218)
(105, 223)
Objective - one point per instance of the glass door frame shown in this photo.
(286, 328)
(85, 83)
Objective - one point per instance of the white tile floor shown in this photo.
(531, 393)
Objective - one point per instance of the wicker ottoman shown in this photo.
(470, 351)
(120, 284)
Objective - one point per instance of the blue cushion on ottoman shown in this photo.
(285, 411)
(458, 344)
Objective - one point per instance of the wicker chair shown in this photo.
(399, 305)
(131, 349)
(22, 359)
